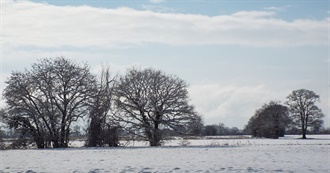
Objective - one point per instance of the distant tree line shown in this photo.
(220, 129)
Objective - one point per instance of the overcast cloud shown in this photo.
(44, 25)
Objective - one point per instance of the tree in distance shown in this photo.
(220, 130)
(269, 121)
(303, 110)
(44, 101)
(148, 102)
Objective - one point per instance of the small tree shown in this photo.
(269, 121)
(303, 110)
(149, 101)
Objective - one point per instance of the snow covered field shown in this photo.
(287, 154)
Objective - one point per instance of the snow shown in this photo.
(287, 154)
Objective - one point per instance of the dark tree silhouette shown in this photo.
(149, 101)
(210, 130)
(47, 99)
(101, 130)
(269, 121)
(303, 110)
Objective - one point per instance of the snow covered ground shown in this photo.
(287, 154)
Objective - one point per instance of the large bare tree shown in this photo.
(303, 110)
(148, 101)
(47, 99)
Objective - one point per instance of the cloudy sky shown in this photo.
(236, 55)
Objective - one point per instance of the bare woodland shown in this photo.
(44, 102)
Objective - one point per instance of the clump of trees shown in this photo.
(45, 101)
(300, 114)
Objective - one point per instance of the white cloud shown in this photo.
(156, 1)
(115, 69)
(253, 14)
(272, 8)
(232, 105)
(157, 8)
(43, 25)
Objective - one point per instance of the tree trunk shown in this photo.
(303, 125)
(155, 140)
(40, 142)
(94, 133)
(56, 144)
(304, 131)
(154, 137)
(112, 136)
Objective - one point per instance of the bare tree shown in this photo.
(303, 110)
(47, 99)
(269, 120)
(149, 101)
(100, 128)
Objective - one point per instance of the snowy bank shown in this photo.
(252, 155)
